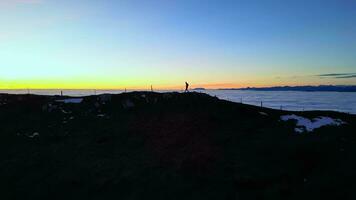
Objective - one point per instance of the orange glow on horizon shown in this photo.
(139, 87)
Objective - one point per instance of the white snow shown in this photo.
(305, 124)
(263, 113)
(65, 112)
(76, 100)
(299, 130)
(34, 135)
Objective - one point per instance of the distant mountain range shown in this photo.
(320, 88)
(199, 89)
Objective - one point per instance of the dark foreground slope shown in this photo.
(168, 146)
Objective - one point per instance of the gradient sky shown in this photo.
(115, 44)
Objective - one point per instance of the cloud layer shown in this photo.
(338, 75)
(349, 76)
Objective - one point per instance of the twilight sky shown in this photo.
(115, 44)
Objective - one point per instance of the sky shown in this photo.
(116, 44)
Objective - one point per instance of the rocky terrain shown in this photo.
(145, 145)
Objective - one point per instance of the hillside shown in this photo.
(145, 145)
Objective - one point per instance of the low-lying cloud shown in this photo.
(349, 76)
(338, 75)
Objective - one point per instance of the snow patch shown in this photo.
(263, 113)
(65, 112)
(76, 100)
(34, 135)
(305, 124)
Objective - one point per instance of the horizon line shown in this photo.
(160, 89)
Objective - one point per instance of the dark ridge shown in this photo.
(145, 145)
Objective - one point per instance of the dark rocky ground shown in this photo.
(168, 146)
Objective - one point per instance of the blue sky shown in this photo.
(117, 44)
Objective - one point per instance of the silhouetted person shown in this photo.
(186, 87)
